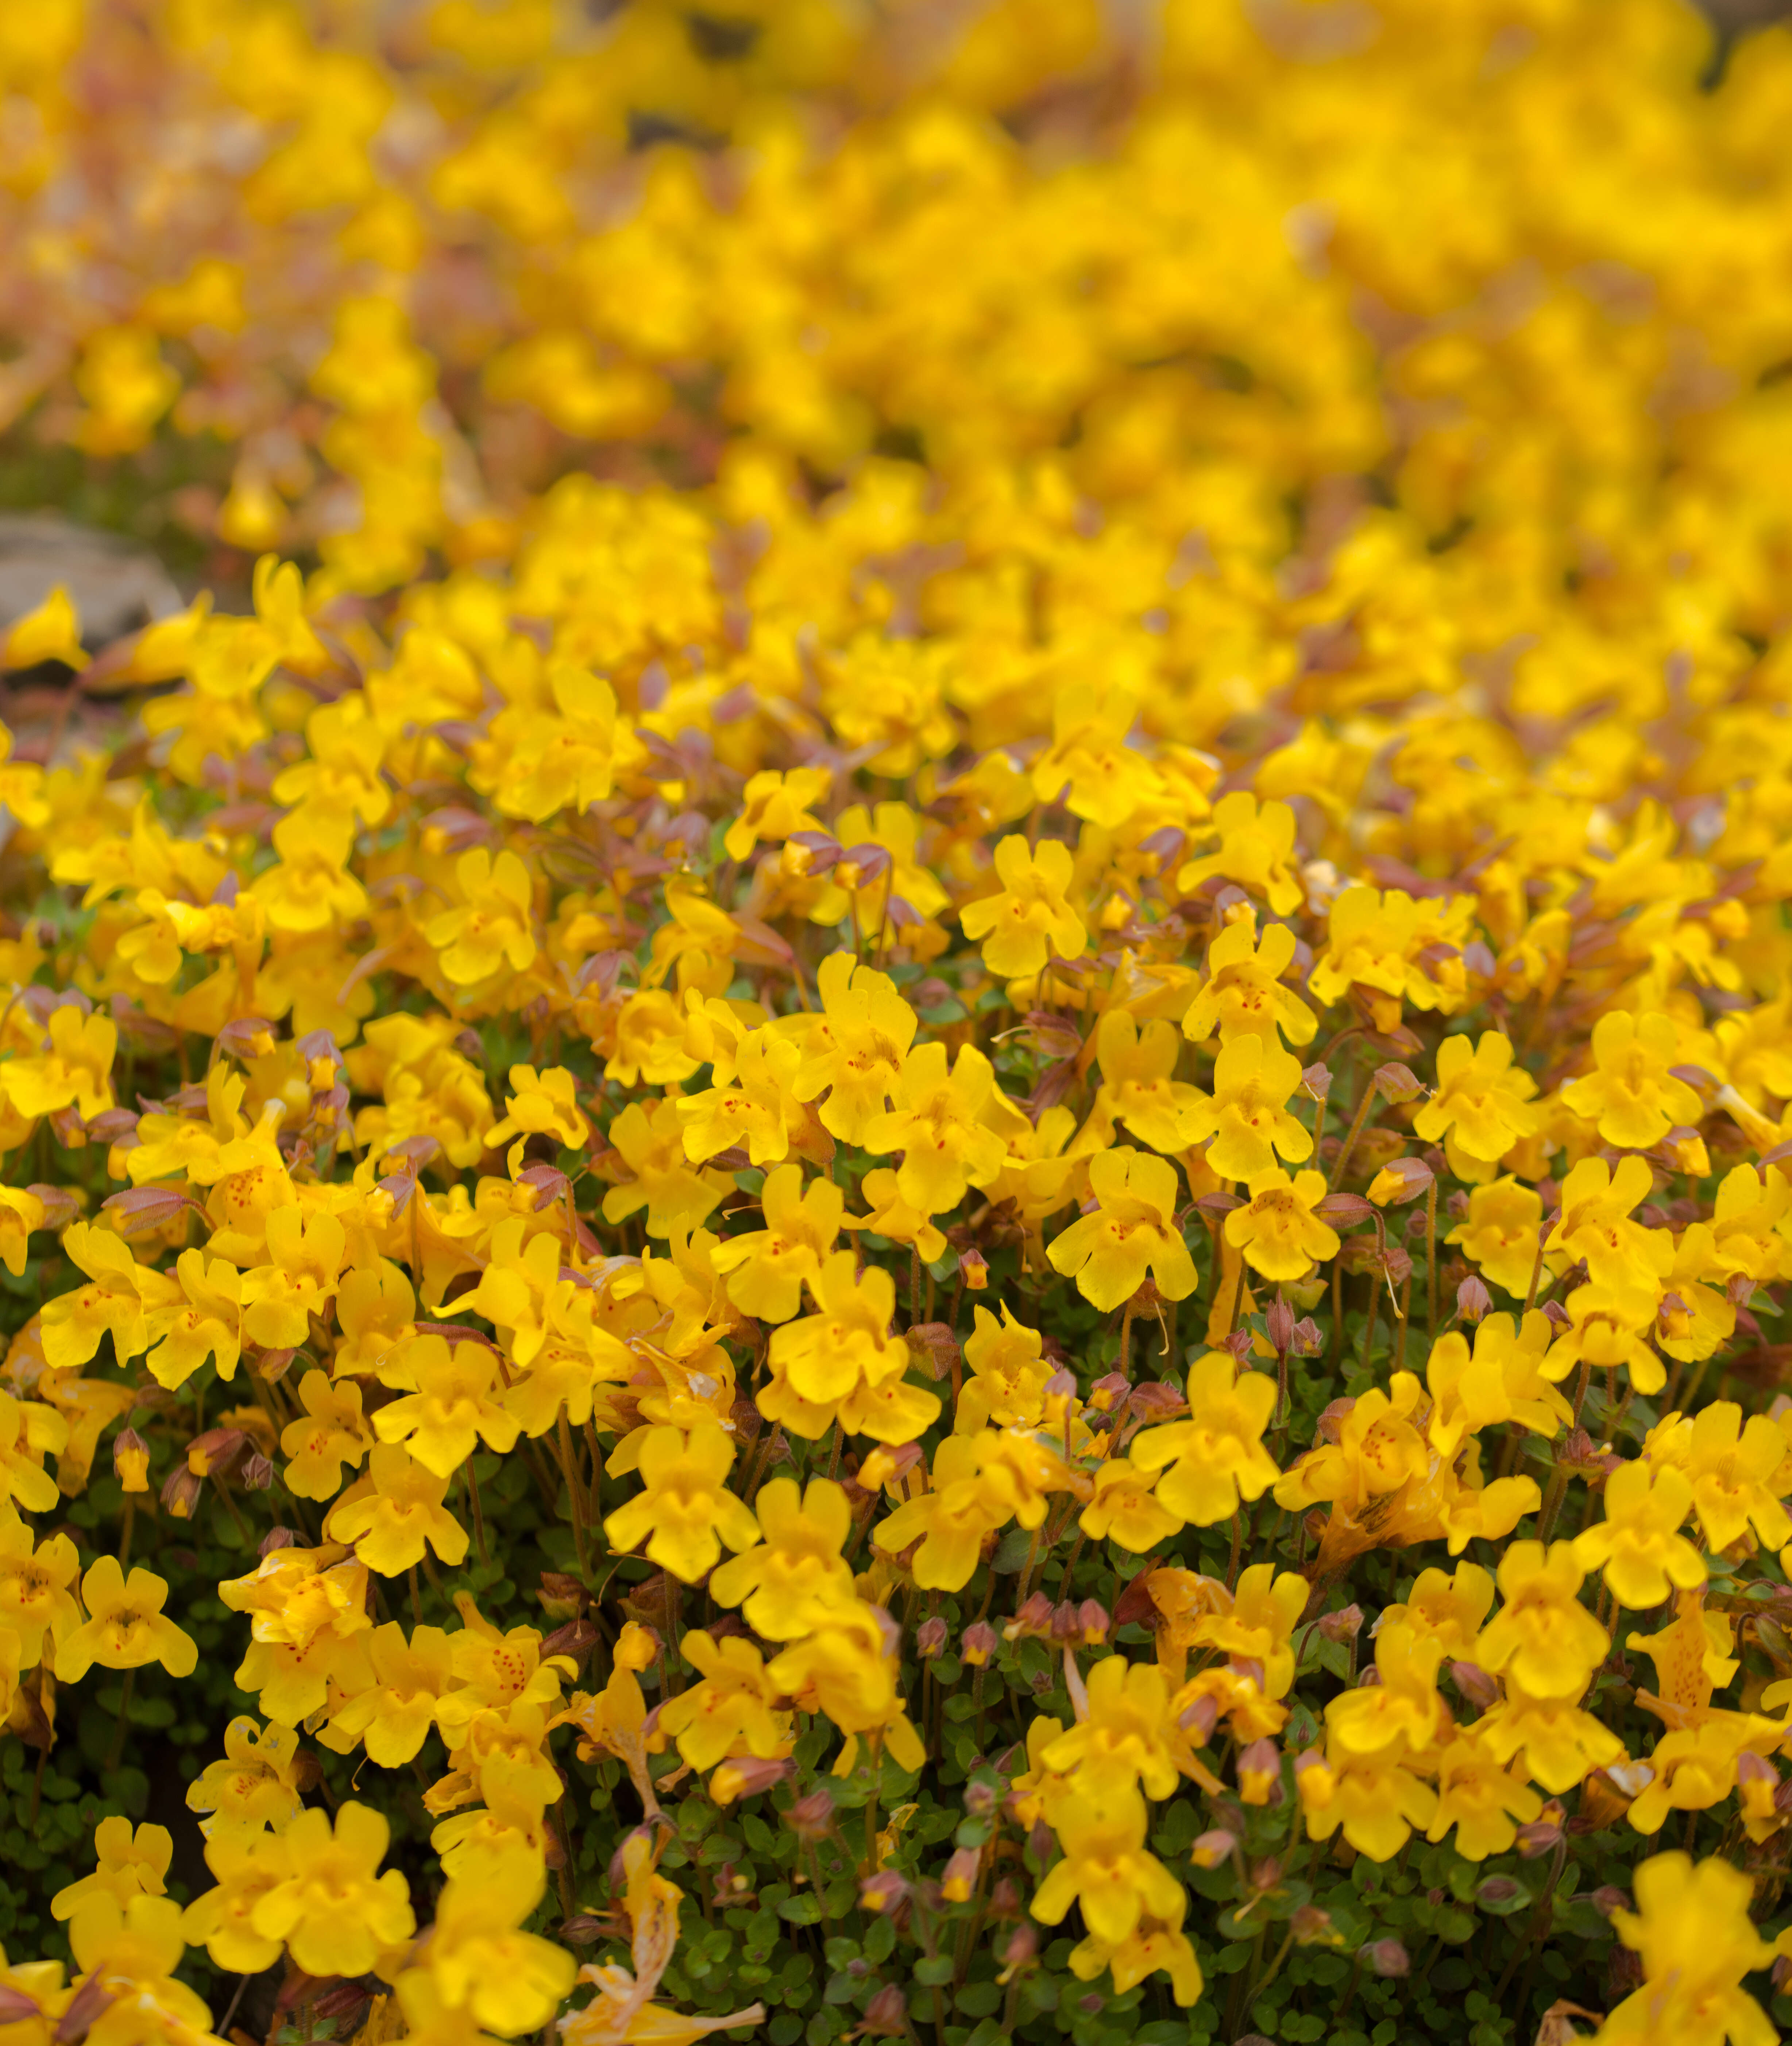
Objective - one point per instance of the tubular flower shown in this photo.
(391, 1513)
(1277, 1230)
(1137, 1062)
(731, 1710)
(1542, 1634)
(1481, 1108)
(1244, 994)
(1107, 1868)
(686, 1512)
(853, 1053)
(1501, 1234)
(936, 1122)
(843, 1363)
(1696, 1940)
(1130, 1234)
(1632, 1094)
(1215, 1458)
(1485, 1803)
(1030, 921)
(1638, 1544)
(1246, 1124)
(335, 1913)
(768, 1267)
(785, 1583)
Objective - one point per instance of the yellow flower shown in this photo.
(543, 1105)
(125, 1627)
(686, 1512)
(336, 1434)
(1277, 1230)
(1500, 1235)
(1131, 1233)
(453, 1408)
(493, 926)
(853, 1051)
(1106, 1867)
(1006, 1389)
(1244, 994)
(1376, 1799)
(937, 1123)
(73, 1070)
(255, 1786)
(1137, 1089)
(1542, 1634)
(848, 1668)
(1124, 1511)
(1485, 1803)
(951, 1518)
(1122, 1737)
(392, 1715)
(769, 1266)
(1215, 1458)
(1481, 1108)
(130, 1864)
(1737, 1479)
(1693, 1929)
(752, 1106)
(1403, 1714)
(1374, 1450)
(36, 1597)
(1247, 1119)
(1595, 1228)
(1029, 920)
(1396, 950)
(774, 805)
(843, 1362)
(733, 1709)
(1255, 849)
(392, 1512)
(335, 1915)
(650, 1140)
(1639, 1543)
(1503, 1378)
(1632, 1095)
(785, 1583)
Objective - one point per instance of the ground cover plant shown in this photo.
(900, 1145)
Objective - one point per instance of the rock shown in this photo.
(116, 586)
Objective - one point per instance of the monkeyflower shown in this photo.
(1130, 1234)
(1244, 994)
(454, 1408)
(393, 1511)
(1277, 1230)
(479, 1960)
(1216, 1457)
(1542, 1634)
(335, 1914)
(731, 1709)
(1377, 1800)
(256, 1783)
(936, 1120)
(1107, 1868)
(1484, 1802)
(1125, 1510)
(37, 1587)
(393, 1703)
(1030, 920)
(684, 1512)
(491, 927)
(1255, 849)
(785, 1582)
(1632, 1095)
(1123, 1737)
(1377, 1449)
(1501, 1234)
(541, 1105)
(1246, 1123)
(1697, 1940)
(1482, 1107)
(1638, 1544)
(125, 1627)
(131, 1862)
(768, 1268)
(335, 1433)
(843, 1361)
(1137, 1064)
(775, 806)
(853, 1051)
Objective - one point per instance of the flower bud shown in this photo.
(980, 1799)
(811, 1818)
(1344, 1625)
(887, 2015)
(1475, 1684)
(637, 1646)
(975, 1267)
(181, 1492)
(1311, 1927)
(977, 1644)
(1005, 1900)
(130, 1459)
(1388, 1957)
(1398, 1083)
(960, 1878)
(745, 1776)
(1260, 1771)
(1278, 1322)
(1034, 1618)
(1211, 1848)
(1021, 1948)
(885, 1891)
(930, 1636)
(1473, 1302)
(1542, 1834)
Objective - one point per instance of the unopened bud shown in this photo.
(1022, 1949)
(1311, 1927)
(1388, 1958)
(130, 1459)
(1398, 1083)
(978, 1643)
(887, 2015)
(1096, 1622)
(1034, 1618)
(1479, 1688)
(745, 1776)
(1260, 1771)
(1608, 1898)
(1278, 1322)
(975, 1267)
(1344, 1625)
(960, 1878)
(1006, 1901)
(811, 1818)
(1542, 1835)
(930, 1636)
(1211, 1848)
(1473, 1302)
(885, 1891)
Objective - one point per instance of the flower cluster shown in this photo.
(911, 1152)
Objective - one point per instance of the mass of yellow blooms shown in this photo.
(923, 1078)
